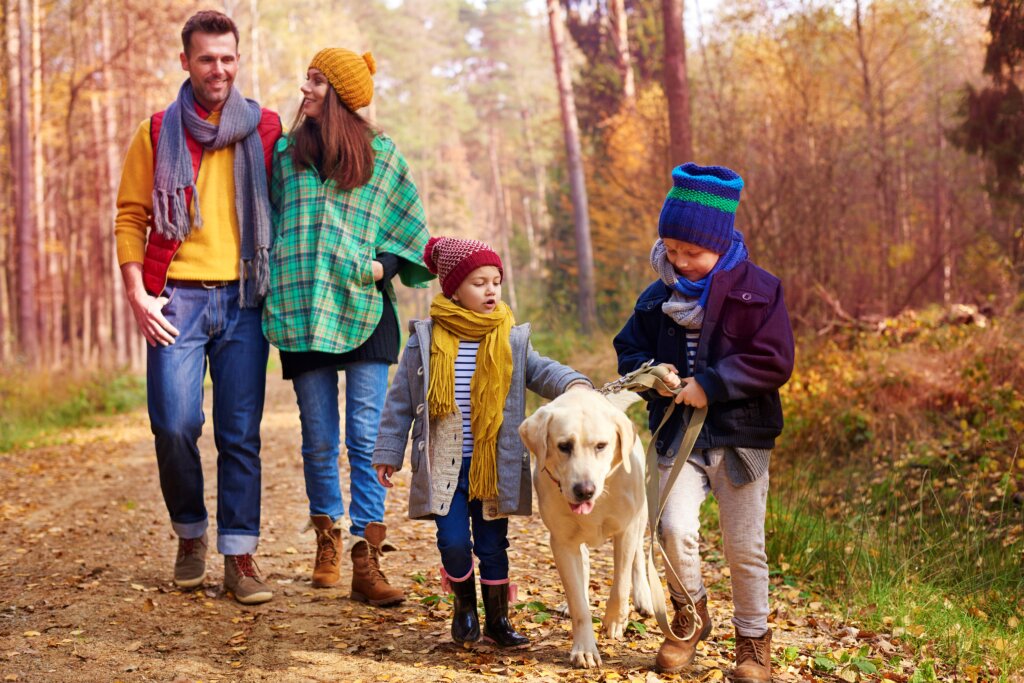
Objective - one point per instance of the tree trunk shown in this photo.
(577, 183)
(8, 279)
(28, 310)
(115, 290)
(677, 87)
(501, 218)
(620, 33)
(254, 49)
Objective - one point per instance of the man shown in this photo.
(193, 232)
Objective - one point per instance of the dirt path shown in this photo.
(85, 592)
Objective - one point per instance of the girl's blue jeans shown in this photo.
(316, 391)
(489, 539)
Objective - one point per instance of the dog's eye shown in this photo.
(565, 447)
(601, 446)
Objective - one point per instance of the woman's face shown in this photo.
(314, 92)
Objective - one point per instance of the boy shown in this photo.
(719, 322)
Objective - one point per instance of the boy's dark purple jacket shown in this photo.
(744, 355)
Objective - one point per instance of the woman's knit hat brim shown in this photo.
(701, 206)
(452, 259)
(350, 74)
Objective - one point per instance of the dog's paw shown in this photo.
(585, 656)
(615, 629)
(644, 606)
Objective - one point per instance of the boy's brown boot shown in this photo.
(243, 578)
(368, 582)
(676, 655)
(190, 564)
(326, 570)
(753, 659)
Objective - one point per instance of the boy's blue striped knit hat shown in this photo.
(701, 206)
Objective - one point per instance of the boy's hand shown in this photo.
(384, 474)
(378, 270)
(671, 379)
(692, 394)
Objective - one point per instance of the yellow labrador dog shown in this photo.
(589, 477)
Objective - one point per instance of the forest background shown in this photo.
(881, 143)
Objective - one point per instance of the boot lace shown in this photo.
(752, 648)
(326, 547)
(188, 546)
(246, 566)
(375, 573)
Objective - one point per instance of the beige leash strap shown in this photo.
(649, 376)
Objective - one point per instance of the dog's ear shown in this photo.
(534, 433)
(627, 436)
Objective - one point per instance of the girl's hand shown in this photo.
(692, 394)
(384, 473)
(671, 379)
(378, 270)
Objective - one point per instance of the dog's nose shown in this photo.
(584, 490)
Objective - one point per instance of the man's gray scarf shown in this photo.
(173, 175)
(686, 312)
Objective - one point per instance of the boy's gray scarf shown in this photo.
(173, 175)
(685, 311)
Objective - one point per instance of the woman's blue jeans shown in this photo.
(316, 392)
(489, 539)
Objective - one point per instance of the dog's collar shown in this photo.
(552, 478)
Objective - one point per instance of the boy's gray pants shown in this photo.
(741, 511)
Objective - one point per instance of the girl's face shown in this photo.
(314, 91)
(480, 292)
(689, 260)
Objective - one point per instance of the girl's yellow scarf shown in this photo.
(487, 390)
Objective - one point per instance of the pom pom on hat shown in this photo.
(701, 206)
(453, 258)
(350, 75)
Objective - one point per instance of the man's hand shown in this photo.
(692, 394)
(146, 309)
(384, 474)
(378, 270)
(671, 379)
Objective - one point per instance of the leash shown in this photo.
(647, 377)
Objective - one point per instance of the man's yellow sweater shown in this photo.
(211, 252)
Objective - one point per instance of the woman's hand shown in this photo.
(378, 270)
(384, 473)
(692, 394)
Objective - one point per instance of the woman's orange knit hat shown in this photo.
(350, 75)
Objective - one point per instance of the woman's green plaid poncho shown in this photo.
(322, 293)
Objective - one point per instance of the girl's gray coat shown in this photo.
(406, 407)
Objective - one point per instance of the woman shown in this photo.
(347, 219)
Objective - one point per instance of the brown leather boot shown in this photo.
(674, 656)
(368, 582)
(753, 659)
(326, 570)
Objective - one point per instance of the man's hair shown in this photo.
(207, 21)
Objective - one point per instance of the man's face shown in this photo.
(211, 63)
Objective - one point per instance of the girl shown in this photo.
(347, 218)
(461, 386)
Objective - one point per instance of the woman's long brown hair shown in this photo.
(337, 146)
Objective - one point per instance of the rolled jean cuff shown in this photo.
(190, 529)
(751, 628)
(696, 596)
(237, 544)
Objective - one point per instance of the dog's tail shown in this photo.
(623, 399)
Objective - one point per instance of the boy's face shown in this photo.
(480, 292)
(689, 260)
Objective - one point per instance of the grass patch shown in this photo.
(34, 406)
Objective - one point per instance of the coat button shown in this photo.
(419, 409)
(419, 371)
(671, 332)
(659, 444)
(420, 446)
(746, 296)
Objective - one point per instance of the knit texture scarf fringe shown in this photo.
(487, 390)
(701, 288)
(173, 175)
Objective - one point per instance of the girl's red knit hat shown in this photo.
(452, 259)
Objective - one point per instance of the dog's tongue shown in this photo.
(583, 508)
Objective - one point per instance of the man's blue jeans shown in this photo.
(316, 391)
(489, 540)
(212, 329)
